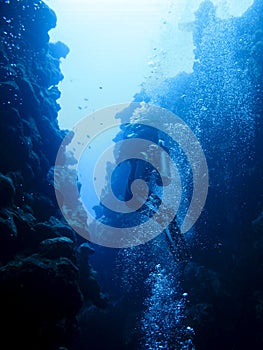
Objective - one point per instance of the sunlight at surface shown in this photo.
(228, 8)
(116, 44)
(109, 43)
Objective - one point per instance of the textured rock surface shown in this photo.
(222, 103)
(40, 292)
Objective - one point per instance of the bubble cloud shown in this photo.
(138, 116)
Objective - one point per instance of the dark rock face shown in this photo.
(222, 102)
(36, 293)
(40, 277)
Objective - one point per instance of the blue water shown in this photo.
(160, 297)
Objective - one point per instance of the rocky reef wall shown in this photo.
(222, 103)
(45, 276)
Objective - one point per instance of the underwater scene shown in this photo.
(131, 174)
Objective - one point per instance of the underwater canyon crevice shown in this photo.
(41, 291)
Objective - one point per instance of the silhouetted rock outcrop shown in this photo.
(40, 293)
(222, 102)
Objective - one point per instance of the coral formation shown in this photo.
(222, 102)
(40, 279)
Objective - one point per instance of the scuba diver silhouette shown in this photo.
(139, 169)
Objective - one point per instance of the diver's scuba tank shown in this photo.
(165, 170)
(162, 161)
